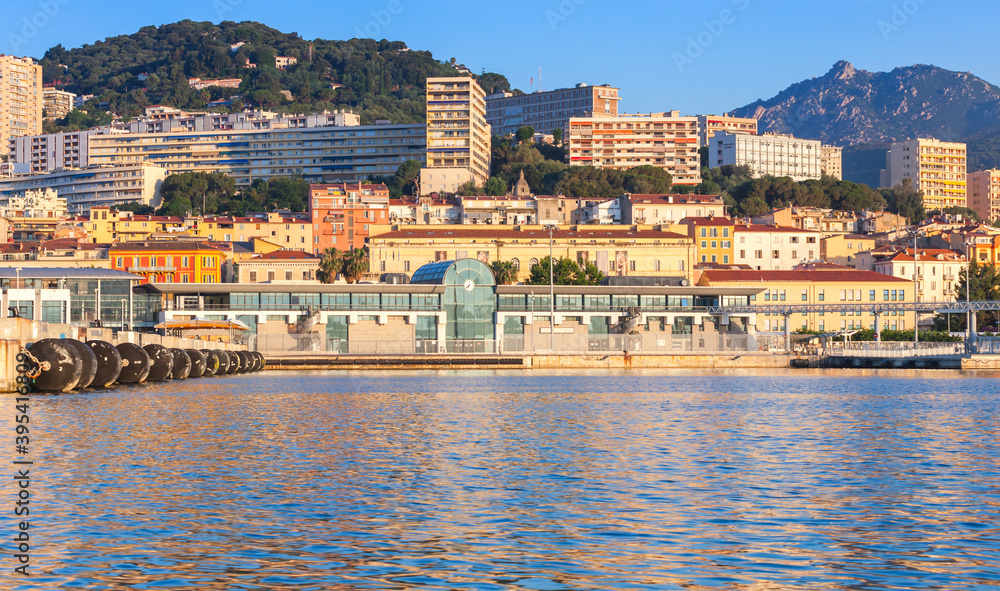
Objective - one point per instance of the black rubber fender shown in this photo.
(198, 362)
(89, 360)
(135, 364)
(109, 363)
(182, 364)
(64, 365)
(161, 363)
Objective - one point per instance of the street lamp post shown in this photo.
(968, 297)
(916, 292)
(552, 291)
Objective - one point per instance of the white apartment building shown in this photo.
(663, 140)
(768, 154)
(774, 248)
(80, 190)
(326, 154)
(21, 100)
(934, 270)
(550, 110)
(458, 136)
(936, 168)
(33, 203)
(668, 209)
(709, 125)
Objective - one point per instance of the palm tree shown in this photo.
(355, 265)
(331, 263)
(505, 272)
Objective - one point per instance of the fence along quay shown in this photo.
(454, 315)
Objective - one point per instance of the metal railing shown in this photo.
(565, 344)
(902, 349)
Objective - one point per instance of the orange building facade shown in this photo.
(345, 215)
(169, 262)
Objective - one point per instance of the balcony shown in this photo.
(154, 269)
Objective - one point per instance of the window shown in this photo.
(821, 295)
(253, 276)
(743, 254)
(656, 265)
(871, 295)
(406, 266)
(805, 295)
(288, 275)
(776, 254)
(725, 259)
(270, 275)
(760, 254)
(885, 295)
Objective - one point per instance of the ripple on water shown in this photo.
(486, 480)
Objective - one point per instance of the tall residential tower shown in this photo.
(20, 98)
(458, 136)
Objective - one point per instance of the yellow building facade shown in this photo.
(615, 250)
(820, 288)
(713, 238)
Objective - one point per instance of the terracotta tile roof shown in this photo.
(825, 276)
(458, 231)
(709, 221)
(162, 246)
(676, 198)
(764, 228)
(926, 254)
(285, 255)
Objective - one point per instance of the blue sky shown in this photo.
(694, 56)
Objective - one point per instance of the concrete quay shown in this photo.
(278, 361)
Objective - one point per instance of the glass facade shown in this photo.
(469, 301)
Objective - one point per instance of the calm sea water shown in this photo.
(487, 480)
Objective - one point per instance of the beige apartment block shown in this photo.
(767, 155)
(21, 100)
(708, 125)
(843, 249)
(832, 162)
(937, 169)
(57, 103)
(615, 250)
(550, 110)
(279, 266)
(458, 136)
(663, 140)
(984, 193)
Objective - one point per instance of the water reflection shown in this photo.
(498, 481)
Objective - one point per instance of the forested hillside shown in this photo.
(378, 79)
